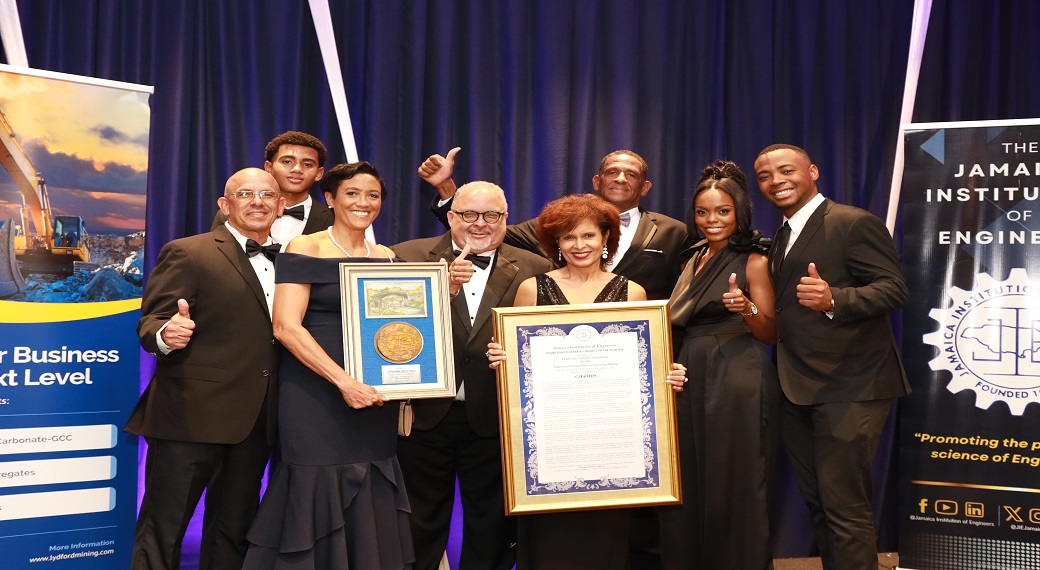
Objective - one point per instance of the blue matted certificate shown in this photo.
(397, 328)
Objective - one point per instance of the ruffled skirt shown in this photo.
(353, 516)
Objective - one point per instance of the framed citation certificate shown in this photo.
(397, 328)
(587, 418)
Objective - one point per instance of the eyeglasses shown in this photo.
(248, 195)
(490, 216)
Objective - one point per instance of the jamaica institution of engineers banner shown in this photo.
(970, 431)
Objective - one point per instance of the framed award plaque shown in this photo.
(397, 328)
(587, 417)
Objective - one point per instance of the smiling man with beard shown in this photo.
(836, 275)
(459, 437)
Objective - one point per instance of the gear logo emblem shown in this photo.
(989, 339)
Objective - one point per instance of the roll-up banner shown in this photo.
(970, 431)
(72, 206)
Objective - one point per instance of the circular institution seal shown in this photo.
(989, 339)
(398, 342)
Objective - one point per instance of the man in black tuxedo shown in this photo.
(297, 161)
(650, 242)
(209, 414)
(837, 278)
(459, 437)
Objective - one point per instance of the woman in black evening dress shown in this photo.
(726, 419)
(582, 233)
(337, 499)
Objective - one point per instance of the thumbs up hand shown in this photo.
(813, 292)
(437, 170)
(177, 334)
(734, 299)
(460, 271)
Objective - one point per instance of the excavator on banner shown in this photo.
(39, 241)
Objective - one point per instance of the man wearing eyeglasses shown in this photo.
(297, 161)
(459, 437)
(209, 412)
(650, 245)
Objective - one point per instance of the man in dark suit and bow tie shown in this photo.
(837, 278)
(209, 412)
(459, 437)
(648, 252)
(297, 161)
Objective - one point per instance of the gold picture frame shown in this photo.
(397, 328)
(587, 418)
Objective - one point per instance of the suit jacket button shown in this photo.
(779, 339)
(266, 373)
(778, 309)
(467, 361)
(272, 340)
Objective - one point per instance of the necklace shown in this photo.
(368, 252)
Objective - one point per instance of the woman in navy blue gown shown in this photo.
(337, 499)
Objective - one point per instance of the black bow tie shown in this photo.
(480, 261)
(295, 211)
(269, 251)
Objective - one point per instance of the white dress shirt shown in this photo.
(473, 291)
(797, 223)
(287, 227)
(625, 239)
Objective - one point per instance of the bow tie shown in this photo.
(269, 251)
(295, 211)
(626, 219)
(481, 261)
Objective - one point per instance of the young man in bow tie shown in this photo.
(297, 162)
(208, 414)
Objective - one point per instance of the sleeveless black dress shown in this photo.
(337, 499)
(582, 539)
(726, 419)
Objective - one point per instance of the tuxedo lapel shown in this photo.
(315, 220)
(502, 276)
(796, 263)
(445, 249)
(238, 259)
(644, 233)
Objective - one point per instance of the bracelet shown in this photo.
(752, 312)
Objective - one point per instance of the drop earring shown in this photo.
(559, 256)
(604, 252)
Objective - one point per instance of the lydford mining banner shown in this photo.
(72, 208)
(970, 432)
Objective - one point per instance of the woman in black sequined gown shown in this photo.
(581, 232)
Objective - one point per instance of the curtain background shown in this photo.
(537, 91)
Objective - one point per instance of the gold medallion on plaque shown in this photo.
(398, 342)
